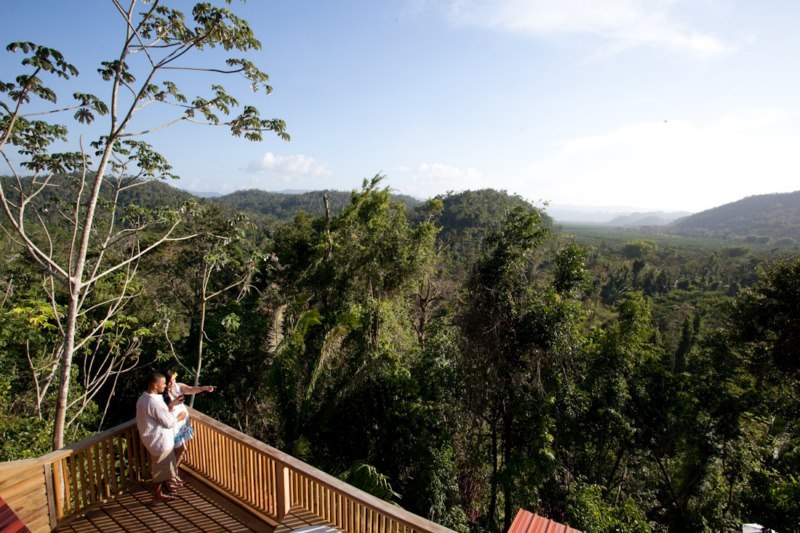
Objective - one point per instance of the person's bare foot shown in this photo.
(161, 497)
(174, 486)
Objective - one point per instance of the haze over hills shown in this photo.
(586, 214)
(651, 218)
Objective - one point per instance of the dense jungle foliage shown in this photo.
(462, 357)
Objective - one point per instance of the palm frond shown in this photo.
(275, 334)
(367, 478)
(330, 346)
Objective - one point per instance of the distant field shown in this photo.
(594, 235)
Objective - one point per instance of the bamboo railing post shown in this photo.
(283, 495)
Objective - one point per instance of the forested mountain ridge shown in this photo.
(462, 213)
(148, 194)
(283, 206)
(761, 219)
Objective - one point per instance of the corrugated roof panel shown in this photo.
(527, 522)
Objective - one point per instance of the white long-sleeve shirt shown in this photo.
(155, 423)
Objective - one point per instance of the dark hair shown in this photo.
(154, 377)
(168, 375)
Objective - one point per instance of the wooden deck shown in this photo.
(197, 509)
(240, 484)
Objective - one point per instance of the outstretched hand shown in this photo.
(209, 388)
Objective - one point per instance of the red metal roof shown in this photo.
(526, 522)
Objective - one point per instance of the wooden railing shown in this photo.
(270, 483)
(46, 492)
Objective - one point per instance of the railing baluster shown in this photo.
(83, 469)
(97, 479)
(108, 466)
(216, 453)
(246, 473)
(222, 454)
(260, 483)
(242, 473)
(104, 461)
(118, 464)
(271, 495)
(229, 472)
(234, 466)
(73, 471)
(252, 460)
(58, 489)
(133, 445)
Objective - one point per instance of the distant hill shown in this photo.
(761, 219)
(478, 210)
(467, 217)
(284, 205)
(155, 193)
(652, 218)
(149, 194)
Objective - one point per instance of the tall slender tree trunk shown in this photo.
(201, 332)
(76, 268)
(67, 350)
(200, 339)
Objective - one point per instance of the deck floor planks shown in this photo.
(143, 514)
(197, 509)
(123, 517)
(194, 511)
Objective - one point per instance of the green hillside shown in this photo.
(761, 219)
(283, 206)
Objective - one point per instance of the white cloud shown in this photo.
(429, 179)
(289, 167)
(620, 23)
(672, 164)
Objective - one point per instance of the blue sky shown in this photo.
(650, 104)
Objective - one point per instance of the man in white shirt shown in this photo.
(155, 424)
